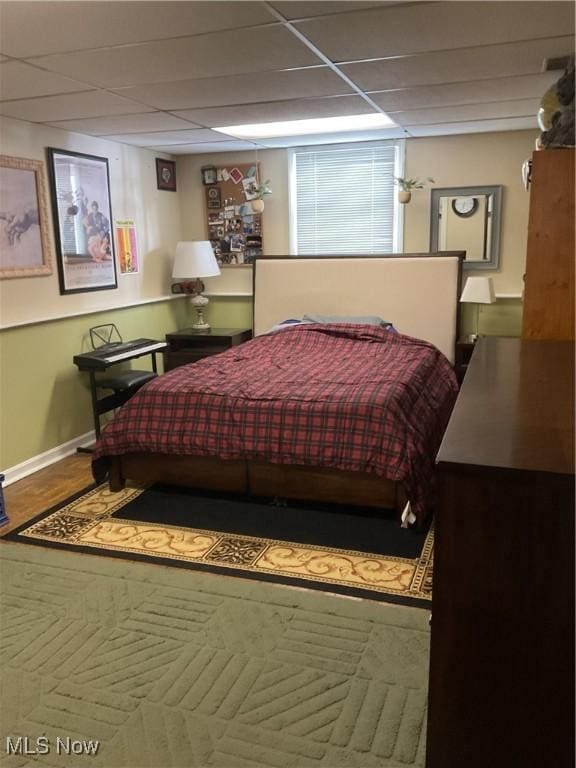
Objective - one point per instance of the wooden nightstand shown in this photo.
(188, 345)
(464, 350)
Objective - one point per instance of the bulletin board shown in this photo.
(234, 229)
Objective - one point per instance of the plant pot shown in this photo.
(257, 205)
(404, 196)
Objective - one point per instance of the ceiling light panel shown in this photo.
(223, 53)
(419, 27)
(278, 110)
(306, 127)
(57, 27)
(333, 138)
(148, 122)
(239, 89)
(21, 81)
(456, 66)
(69, 106)
(453, 94)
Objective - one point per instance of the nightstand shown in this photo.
(464, 350)
(188, 345)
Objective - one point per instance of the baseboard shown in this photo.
(28, 467)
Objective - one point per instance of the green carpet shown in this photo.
(335, 548)
(171, 667)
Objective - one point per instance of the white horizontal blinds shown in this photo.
(345, 199)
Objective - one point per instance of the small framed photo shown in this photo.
(25, 245)
(209, 174)
(166, 174)
(213, 197)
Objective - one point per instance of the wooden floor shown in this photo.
(42, 490)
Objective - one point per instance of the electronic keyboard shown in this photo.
(109, 354)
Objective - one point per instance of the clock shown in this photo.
(464, 206)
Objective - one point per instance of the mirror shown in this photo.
(467, 219)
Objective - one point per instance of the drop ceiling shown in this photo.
(162, 75)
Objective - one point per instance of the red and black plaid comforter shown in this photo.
(348, 397)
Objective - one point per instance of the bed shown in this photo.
(333, 412)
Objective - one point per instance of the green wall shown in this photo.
(44, 399)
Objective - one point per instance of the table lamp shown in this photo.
(478, 290)
(193, 260)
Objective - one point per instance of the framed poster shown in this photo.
(25, 246)
(166, 174)
(127, 246)
(80, 188)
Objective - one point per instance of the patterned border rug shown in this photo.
(358, 552)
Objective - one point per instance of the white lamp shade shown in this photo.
(194, 259)
(478, 290)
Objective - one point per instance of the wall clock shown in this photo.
(465, 206)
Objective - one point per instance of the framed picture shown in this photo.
(209, 174)
(25, 245)
(213, 197)
(80, 188)
(166, 174)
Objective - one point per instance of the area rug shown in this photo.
(131, 665)
(355, 551)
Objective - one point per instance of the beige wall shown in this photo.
(133, 196)
(453, 161)
(475, 160)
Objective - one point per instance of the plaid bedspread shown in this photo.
(348, 397)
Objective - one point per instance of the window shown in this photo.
(343, 199)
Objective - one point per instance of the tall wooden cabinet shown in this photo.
(549, 280)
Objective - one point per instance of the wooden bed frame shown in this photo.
(271, 306)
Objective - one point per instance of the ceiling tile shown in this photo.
(457, 66)
(422, 27)
(70, 106)
(102, 126)
(452, 94)
(21, 81)
(166, 138)
(239, 89)
(520, 108)
(304, 10)
(223, 53)
(32, 29)
(279, 110)
(206, 148)
(480, 126)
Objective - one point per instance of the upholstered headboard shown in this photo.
(418, 293)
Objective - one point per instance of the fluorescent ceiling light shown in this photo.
(303, 127)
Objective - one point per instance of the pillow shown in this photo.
(288, 324)
(368, 320)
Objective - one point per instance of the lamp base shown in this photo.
(199, 302)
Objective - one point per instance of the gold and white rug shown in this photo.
(98, 521)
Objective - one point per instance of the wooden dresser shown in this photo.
(502, 646)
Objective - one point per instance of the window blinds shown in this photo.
(344, 199)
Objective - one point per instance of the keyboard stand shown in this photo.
(123, 385)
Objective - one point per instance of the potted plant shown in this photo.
(261, 191)
(407, 185)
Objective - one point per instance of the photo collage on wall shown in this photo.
(234, 229)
